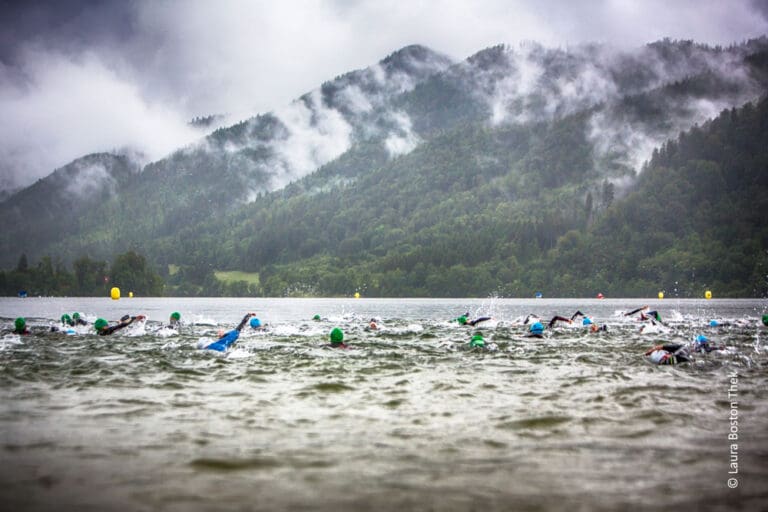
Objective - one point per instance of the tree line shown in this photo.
(87, 277)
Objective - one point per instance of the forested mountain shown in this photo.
(50, 210)
(233, 165)
(513, 171)
(696, 219)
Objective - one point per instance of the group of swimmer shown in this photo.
(101, 326)
(667, 353)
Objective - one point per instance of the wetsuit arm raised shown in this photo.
(244, 321)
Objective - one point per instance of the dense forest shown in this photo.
(86, 278)
(454, 184)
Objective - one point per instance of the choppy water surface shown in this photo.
(409, 418)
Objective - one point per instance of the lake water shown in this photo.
(408, 418)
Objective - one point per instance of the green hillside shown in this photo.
(696, 220)
(466, 182)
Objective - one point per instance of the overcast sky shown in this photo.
(79, 76)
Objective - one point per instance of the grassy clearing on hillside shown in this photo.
(231, 276)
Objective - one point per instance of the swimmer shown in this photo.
(720, 323)
(256, 324)
(337, 339)
(104, 329)
(174, 321)
(227, 339)
(588, 322)
(20, 326)
(66, 320)
(536, 330)
(477, 341)
(464, 320)
(77, 320)
(669, 353)
(372, 325)
(653, 316)
(702, 345)
(593, 327)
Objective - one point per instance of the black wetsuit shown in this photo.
(651, 314)
(680, 352)
(112, 328)
(528, 319)
(557, 318)
(478, 320)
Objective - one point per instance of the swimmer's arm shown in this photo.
(560, 318)
(243, 321)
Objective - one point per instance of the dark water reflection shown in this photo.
(410, 418)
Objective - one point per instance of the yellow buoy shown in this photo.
(661, 295)
(130, 295)
(357, 295)
(115, 293)
(707, 294)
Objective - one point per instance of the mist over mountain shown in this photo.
(50, 209)
(407, 161)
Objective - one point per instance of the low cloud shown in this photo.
(82, 76)
(401, 139)
(89, 180)
(67, 108)
(534, 84)
(315, 136)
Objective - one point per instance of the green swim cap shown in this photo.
(462, 320)
(337, 336)
(316, 317)
(75, 316)
(477, 341)
(100, 323)
(66, 319)
(20, 324)
(176, 315)
(765, 320)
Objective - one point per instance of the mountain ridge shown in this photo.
(545, 123)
